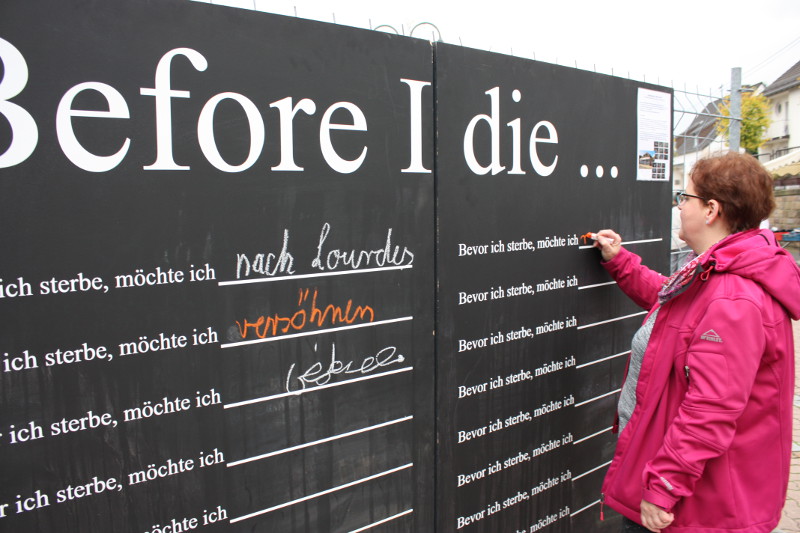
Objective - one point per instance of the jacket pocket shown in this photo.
(707, 375)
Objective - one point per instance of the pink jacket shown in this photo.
(710, 438)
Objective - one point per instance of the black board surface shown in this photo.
(230, 303)
(531, 335)
(217, 272)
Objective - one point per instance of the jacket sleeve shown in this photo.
(723, 357)
(638, 282)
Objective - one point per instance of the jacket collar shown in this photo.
(755, 255)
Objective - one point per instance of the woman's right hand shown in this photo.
(609, 242)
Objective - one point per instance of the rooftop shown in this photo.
(787, 80)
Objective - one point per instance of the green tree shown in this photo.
(755, 120)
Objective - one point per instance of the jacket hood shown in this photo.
(755, 255)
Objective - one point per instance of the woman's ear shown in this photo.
(713, 211)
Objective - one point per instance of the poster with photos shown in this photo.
(654, 128)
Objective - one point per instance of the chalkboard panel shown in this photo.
(532, 336)
(217, 278)
(218, 286)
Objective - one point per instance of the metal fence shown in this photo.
(696, 135)
(695, 126)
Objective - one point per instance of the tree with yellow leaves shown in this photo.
(755, 120)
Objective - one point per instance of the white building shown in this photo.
(784, 133)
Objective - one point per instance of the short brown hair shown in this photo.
(741, 185)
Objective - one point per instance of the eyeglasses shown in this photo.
(681, 197)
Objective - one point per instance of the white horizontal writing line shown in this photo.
(612, 320)
(643, 241)
(584, 474)
(323, 493)
(584, 508)
(597, 285)
(317, 332)
(586, 247)
(317, 275)
(597, 398)
(312, 389)
(593, 435)
(603, 359)
(398, 515)
(320, 441)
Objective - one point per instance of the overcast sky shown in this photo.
(691, 43)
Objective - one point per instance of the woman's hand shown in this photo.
(609, 242)
(655, 518)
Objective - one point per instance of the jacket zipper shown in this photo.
(602, 502)
(686, 370)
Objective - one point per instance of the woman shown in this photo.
(706, 406)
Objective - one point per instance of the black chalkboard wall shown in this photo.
(218, 280)
(532, 338)
(175, 431)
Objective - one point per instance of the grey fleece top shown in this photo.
(627, 398)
